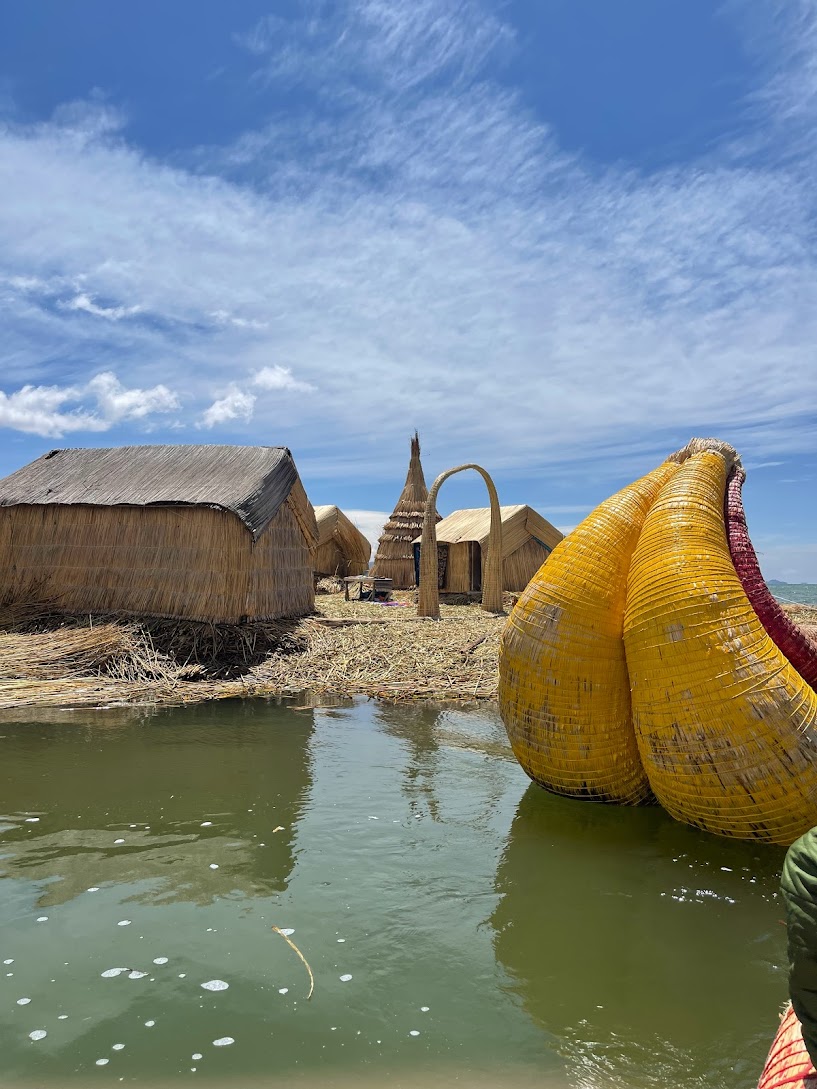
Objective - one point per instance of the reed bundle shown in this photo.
(726, 726)
(787, 636)
(394, 558)
(429, 595)
(564, 689)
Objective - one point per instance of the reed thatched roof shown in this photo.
(334, 526)
(395, 553)
(519, 523)
(250, 481)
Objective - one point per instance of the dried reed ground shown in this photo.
(345, 647)
(350, 648)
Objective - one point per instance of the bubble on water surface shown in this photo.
(341, 941)
(149, 1024)
(424, 1009)
(37, 1034)
(124, 922)
(102, 1062)
(215, 985)
(223, 1041)
(136, 975)
(117, 1047)
(182, 975)
(414, 1032)
(207, 824)
(345, 978)
(213, 865)
(109, 973)
(287, 930)
(32, 820)
(42, 919)
(93, 888)
(160, 960)
(196, 1057)
(118, 841)
(62, 1017)
(283, 990)
(9, 961)
(23, 1001)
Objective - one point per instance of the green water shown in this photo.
(526, 940)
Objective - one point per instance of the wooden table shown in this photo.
(378, 585)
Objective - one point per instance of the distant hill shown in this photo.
(804, 593)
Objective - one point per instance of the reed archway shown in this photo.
(428, 598)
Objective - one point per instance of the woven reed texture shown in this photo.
(250, 481)
(726, 728)
(784, 633)
(342, 549)
(394, 558)
(563, 688)
(190, 563)
(527, 541)
(788, 1063)
(428, 602)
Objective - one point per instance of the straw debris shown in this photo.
(346, 647)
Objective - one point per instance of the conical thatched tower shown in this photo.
(395, 550)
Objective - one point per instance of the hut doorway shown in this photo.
(475, 565)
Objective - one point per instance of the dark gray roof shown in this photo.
(250, 481)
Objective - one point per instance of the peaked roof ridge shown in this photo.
(250, 481)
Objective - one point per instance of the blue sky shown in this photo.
(559, 237)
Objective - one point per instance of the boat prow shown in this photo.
(788, 1063)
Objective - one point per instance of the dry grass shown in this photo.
(349, 648)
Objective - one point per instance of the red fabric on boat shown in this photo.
(788, 1063)
(781, 629)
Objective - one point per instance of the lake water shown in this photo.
(464, 928)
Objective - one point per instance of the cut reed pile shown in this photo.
(389, 653)
(345, 647)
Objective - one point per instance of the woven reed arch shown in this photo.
(428, 600)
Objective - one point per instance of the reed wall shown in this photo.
(520, 567)
(186, 562)
(458, 572)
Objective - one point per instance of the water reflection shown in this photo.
(416, 726)
(194, 824)
(614, 925)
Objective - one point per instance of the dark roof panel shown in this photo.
(250, 481)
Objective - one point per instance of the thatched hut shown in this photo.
(395, 553)
(462, 539)
(342, 549)
(214, 533)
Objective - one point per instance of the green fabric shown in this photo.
(799, 888)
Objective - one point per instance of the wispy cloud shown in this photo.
(413, 231)
(86, 303)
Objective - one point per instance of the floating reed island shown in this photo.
(350, 648)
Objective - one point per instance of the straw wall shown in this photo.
(189, 562)
(458, 574)
(520, 567)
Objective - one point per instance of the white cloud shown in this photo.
(369, 522)
(118, 403)
(279, 378)
(45, 410)
(37, 411)
(416, 244)
(236, 404)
